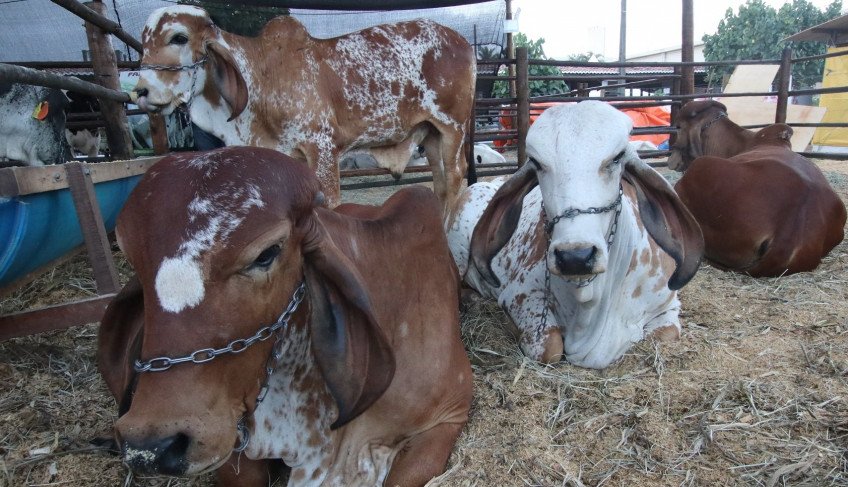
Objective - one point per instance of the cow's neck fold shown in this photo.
(594, 319)
(293, 422)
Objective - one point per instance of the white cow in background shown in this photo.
(483, 154)
(32, 124)
(589, 262)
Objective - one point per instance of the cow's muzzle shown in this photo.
(577, 261)
(161, 456)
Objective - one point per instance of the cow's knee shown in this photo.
(548, 349)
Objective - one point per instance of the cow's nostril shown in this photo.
(162, 456)
(141, 91)
(575, 261)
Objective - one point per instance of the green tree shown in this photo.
(586, 56)
(537, 87)
(756, 32)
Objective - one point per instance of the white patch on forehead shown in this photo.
(157, 14)
(179, 281)
(179, 284)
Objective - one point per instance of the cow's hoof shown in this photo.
(665, 333)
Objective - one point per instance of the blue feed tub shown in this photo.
(38, 228)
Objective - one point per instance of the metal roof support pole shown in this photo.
(687, 53)
(522, 88)
(510, 50)
(783, 76)
(104, 64)
(622, 47)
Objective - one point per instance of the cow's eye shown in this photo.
(179, 40)
(618, 158)
(536, 164)
(266, 258)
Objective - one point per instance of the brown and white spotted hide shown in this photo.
(602, 297)
(318, 99)
(372, 383)
(764, 210)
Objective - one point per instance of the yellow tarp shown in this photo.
(835, 74)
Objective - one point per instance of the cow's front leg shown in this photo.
(424, 456)
(539, 335)
(666, 325)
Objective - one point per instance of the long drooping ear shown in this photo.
(119, 342)
(667, 220)
(227, 78)
(350, 348)
(499, 220)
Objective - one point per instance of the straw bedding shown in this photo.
(754, 393)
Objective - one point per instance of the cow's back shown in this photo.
(763, 211)
(401, 251)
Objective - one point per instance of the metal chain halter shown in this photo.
(181, 67)
(204, 355)
(568, 214)
(714, 120)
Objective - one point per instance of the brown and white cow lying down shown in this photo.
(589, 262)
(384, 89)
(372, 384)
(764, 210)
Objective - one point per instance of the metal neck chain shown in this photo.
(175, 67)
(549, 228)
(204, 355)
(182, 67)
(718, 117)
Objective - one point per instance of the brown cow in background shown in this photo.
(383, 90)
(764, 210)
(367, 379)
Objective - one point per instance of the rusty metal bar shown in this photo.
(523, 93)
(819, 56)
(93, 230)
(134, 65)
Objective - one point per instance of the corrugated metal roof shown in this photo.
(834, 32)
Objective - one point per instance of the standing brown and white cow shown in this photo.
(383, 89)
(764, 210)
(349, 317)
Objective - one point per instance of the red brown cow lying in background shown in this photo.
(764, 210)
(367, 379)
(383, 89)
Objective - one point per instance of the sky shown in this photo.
(572, 27)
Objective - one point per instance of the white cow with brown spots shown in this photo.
(379, 89)
(589, 262)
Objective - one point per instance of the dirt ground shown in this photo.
(755, 392)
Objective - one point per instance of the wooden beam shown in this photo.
(101, 21)
(20, 74)
(783, 76)
(158, 133)
(106, 74)
(54, 317)
(18, 181)
(91, 223)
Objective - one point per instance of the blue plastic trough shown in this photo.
(41, 226)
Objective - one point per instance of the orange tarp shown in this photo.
(642, 117)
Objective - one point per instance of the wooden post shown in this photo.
(471, 175)
(687, 53)
(522, 89)
(784, 76)
(101, 21)
(158, 133)
(91, 224)
(583, 90)
(675, 107)
(106, 74)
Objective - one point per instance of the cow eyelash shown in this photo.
(266, 258)
(179, 40)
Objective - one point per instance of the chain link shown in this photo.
(175, 67)
(549, 228)
(239, 345)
